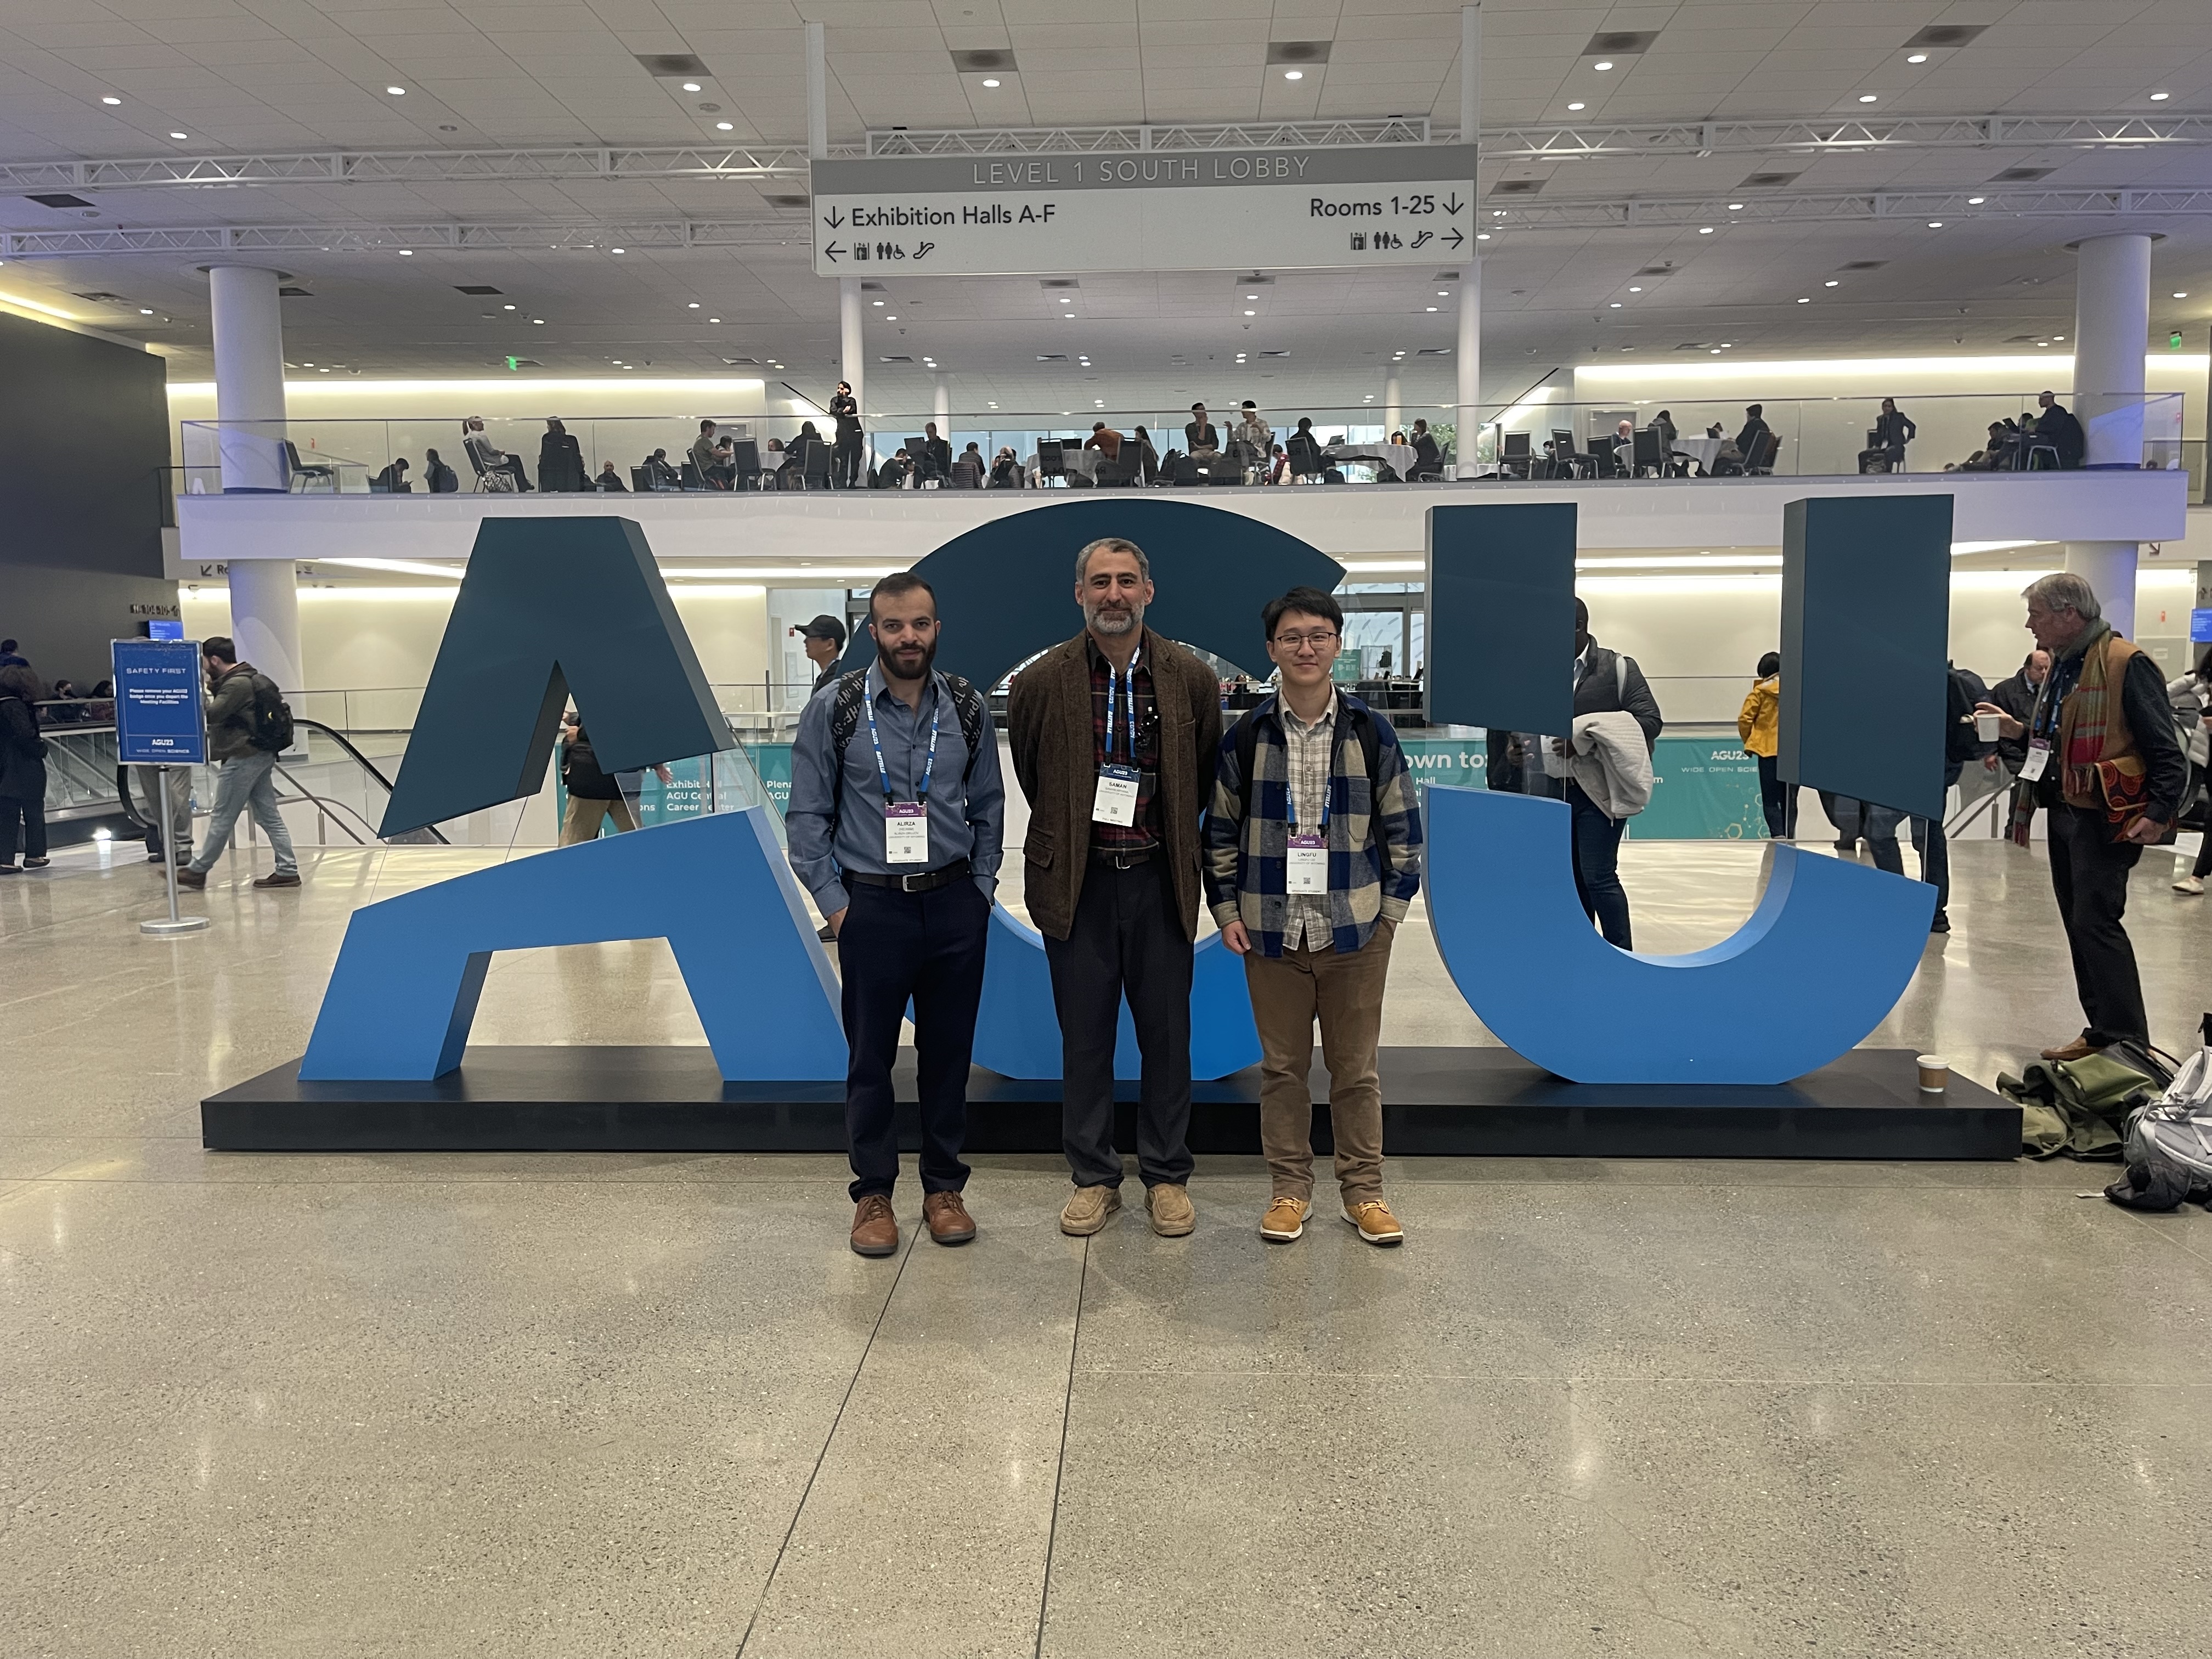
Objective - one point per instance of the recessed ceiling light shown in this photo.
(2058, 336)
(2155, 98)
(1635, 290)
(1572, 107)
(1728, 345)
(396, 92)
(1735, 207)
(1717, 351)
(1804, 301)
(1254, 313)
(1294, 75)
(691, 85)
(1601, 67)
(1976, 200)
(1616, 304)
(1831, 283)
(1866, 98)
(890, 316)
(2184, 294)
(1935, 224)
(724, 126)
(1482, 236)
(110, 100)
(875, 302)
(322, 371)
(692, 305)
(1443, 294)
(1251, 296)
(713, 320)
(2042, 343)
(1248, 313)
(406, 253)
(1065, 301)
(1704, 230)
(990, 83)
(537, 322)
(148, 311)
(181, 135)
(1918, 58)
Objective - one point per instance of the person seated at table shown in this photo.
(1105, 439)
(1892, 432)
(1005, 470)
(1278, 467)
(661, 472)
(892, 474)
(1428, 459)
(1753, 437)
(967, 470)
(703, 456)
(1202, 436)
(1662, 424)
(936, 458)
(392, 480)
(1624, 449)
(725, 476)
(1989, 457)
(1148, 458)
(1254, 433)
(610, 481)
(443, 480)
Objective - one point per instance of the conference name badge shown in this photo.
(1309, 871)
(2039, 756)
(1116, 799)
(906, 832)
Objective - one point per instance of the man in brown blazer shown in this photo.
(1113, 736)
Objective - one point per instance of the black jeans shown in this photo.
(1774, 797)
(31, 812)
(1597, 867)
(845, 474)
(1127, 940)
(928, 947)
(2089, 875)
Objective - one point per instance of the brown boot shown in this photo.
(948, 1219)
(875, 1229)
(2080, 1048)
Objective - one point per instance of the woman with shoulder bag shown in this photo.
(22, 772)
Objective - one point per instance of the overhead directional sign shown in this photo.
(1287, 209)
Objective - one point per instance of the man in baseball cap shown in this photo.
(825, 639)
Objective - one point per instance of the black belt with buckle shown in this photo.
(928, 882)
(1122, 859)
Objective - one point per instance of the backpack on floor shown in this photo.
(2169, 1144)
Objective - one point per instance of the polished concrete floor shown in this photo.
(552, 1406)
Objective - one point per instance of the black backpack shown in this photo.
(267, 717)
(845, 719)
(1247, 741)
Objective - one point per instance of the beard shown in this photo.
(909, 663)
(1114, 616)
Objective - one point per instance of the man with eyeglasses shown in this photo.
(896, 821)
(1313, 856)
(1113, 736)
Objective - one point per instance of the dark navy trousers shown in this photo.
(928, 948)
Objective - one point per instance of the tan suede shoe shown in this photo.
(1375, 1223)
(1286, 1220)
(1169, 1205)
(1089, 1208)
(875, 1229)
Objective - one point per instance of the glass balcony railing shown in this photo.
(1536, 439)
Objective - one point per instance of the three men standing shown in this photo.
(1114, 736)
(1313, 846)
(897, 817)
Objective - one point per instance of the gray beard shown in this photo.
(1102, 621)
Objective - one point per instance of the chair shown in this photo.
(1114, 472)
(1565, 461)
(1304, 455)
(1516, 454)
(2036, 448)
(1761, 466)
(689, 472)
(294, 468)
(967, 471)
(744, 460)
(925, 464)
(1052, 462)
(1644, 451)
(491, 481)
(640, 482)
(813, 468)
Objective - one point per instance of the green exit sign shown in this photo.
(2173, 341)
(516, 362)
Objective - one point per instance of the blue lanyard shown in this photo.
(1114, 689)
(1291, 794)
(929, 766)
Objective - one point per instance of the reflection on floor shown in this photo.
(653, 1406)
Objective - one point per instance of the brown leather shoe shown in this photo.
(278, 879)
(188, 877)
(948, 1219)
(1168, 1204)
(875, 1229)
(2080, 1048)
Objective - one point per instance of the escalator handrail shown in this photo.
(363, 762)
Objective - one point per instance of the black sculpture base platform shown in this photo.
(1437, 1102)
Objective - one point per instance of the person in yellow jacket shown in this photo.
(1759, 725)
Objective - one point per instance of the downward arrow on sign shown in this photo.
(834, 219)
(1453, 205)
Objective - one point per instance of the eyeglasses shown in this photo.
(1320, 639)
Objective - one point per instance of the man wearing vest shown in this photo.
(895, 823)
(2103, 759)
(1106, 732)
(1313, 851)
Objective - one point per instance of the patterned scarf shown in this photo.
(2081, 722)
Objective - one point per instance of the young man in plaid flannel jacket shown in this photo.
(1313, 850)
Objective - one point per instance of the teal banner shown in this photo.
(1704, 788)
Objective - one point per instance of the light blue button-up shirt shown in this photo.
(966, 820)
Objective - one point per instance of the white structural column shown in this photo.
(2112, 328)
(249, 386)
(852, 355)
(818, 93)
(944, 403)
(1470, 350)
(1394, 412)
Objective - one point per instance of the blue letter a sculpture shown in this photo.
(1831, 945)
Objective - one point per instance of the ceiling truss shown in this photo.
(764, 163)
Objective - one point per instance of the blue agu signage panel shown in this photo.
(157, 702)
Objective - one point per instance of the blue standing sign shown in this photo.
(157, 702)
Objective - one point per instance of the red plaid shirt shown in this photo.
(1146, 831)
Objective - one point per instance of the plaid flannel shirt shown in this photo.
(1374, 832)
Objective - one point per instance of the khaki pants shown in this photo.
(583, 819)
(1345, 993)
